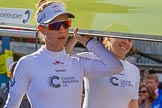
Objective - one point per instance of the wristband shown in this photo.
(89, 40)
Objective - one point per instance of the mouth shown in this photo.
(124, 48)
(60, 38)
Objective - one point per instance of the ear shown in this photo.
(40, 28)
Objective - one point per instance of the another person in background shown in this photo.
(116, 91)
(11, 69)
(146, 96)
(153, 81)
(50, 77)
(3, 95)
(144, 75)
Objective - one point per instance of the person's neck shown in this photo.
(54, 49)
(121, 58)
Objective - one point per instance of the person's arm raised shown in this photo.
(82, 39)
(108, 63)
(73, 40)
(70, 44)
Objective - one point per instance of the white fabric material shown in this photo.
(55, 79)
(114, 91)
(52, 11)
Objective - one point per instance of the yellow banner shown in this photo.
(3, 67)
(5, 61)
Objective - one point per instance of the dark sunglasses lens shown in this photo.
(66, 24)
(142, 91)
(54, 26)
(57, 25)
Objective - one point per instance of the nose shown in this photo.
(62, 28)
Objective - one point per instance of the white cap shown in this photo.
(51, 12)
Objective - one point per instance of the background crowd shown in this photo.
(150, 95)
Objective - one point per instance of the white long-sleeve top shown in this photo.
(115, 91)
(55, 79)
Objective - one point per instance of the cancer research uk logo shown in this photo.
(56, 82)
(13, 15)
(115, 81)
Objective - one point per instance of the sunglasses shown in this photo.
(143, 92)
(56, 25)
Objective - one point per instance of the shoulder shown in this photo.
(26, 62)
(25, 59)
(131, 68)
(130, 65)
(30, 57)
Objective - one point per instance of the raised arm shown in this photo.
(73, 40)
(108, 63)
(70, 44)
